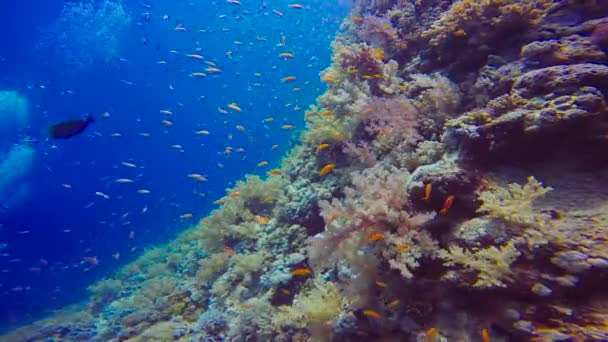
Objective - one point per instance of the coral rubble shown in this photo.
(452, 184)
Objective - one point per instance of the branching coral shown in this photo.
(377, 201)
(321, 303)
(390, 121)
(513, 203)
(237, 217)
(404, 252)
(492, 264)
(377, 31)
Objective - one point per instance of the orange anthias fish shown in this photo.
(234, 106)
(427, 192)
(328, 79)
(373, 314)
(261, 219)
(288, 79)
(376, 237)
(432, 335)
(485, 335)
(301, 272)
(447, 204)
(286, 55)
(274, 172)
(321, 147)
(70, 128)
(327, 168)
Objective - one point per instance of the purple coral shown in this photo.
(392, 118)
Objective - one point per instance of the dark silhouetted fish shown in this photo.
(70, 128)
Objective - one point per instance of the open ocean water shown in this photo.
(65, 221)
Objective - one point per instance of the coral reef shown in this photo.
(452, 184)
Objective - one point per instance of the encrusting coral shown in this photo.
(451, 183)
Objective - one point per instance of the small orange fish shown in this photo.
(287, 126)
(274, 147)
(373, 314)
(197, 176)
(447, 204)
(288, 79)
(431, 335)
(261, 219)
(381, 284)
(234, 193)
(240, 128)
(186, 216)
(327, 79)
(212, 70)
(296, 6)
(234, 106)
(195, 56)
(327, 168)
(220, 201)
(357, 19)
(485, 335)
(167, 123)
(286, 55)
(202, 132)
(376, 237)
(393, 304)
(427, 192)
(228, 251)
(460, 33)
(198, 74)
(402, 247)
(274, 172)
(321, 147)
(326, 112)
(262, 163)
(301, 272)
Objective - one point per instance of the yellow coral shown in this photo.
(319, 304)
(493, 264)
(513, 203)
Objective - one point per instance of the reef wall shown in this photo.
(451, 184)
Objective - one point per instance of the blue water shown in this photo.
(68, 68)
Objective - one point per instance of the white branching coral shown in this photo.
(404, 252)
(492, 264)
